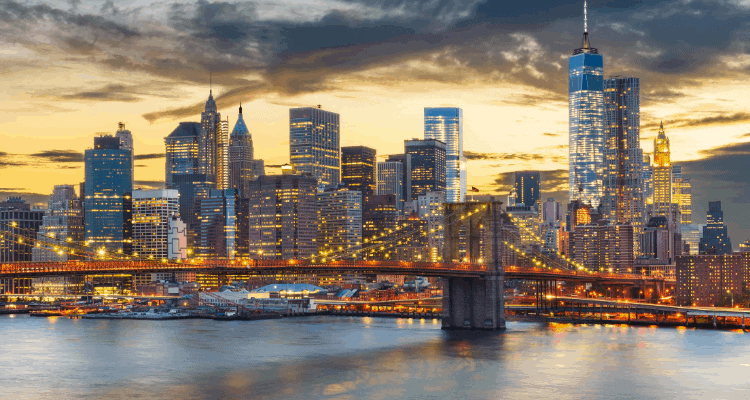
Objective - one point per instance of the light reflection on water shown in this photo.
(371, 358)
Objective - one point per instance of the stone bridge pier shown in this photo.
(475, 302)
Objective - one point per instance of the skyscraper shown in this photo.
(215, 228)
(682, 195)
(241, 166)
(222, 153)
(18, 221)
(662, 170)
(283, 217)
(358, 169)
(379, 214)
(314, 144)
(391, 181)
(209, 153)
(527, 188)
(715, 239)
(340, 223)
(60, 236)
(586, 136)
(446, 125)
(428, 166)
(623, 175)
(107, 202)
(126, 141)
(405, 160)
(152, 210)
(648, 180)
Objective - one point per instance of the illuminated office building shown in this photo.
(152, 211)
(691, 235)
(682, 195)
(107, 202)
(586, 122)
(241, 165)
(60, 236)
(648, 180)
(314, 144)
(428, 166)
(604, 248)
(379, 215)
(662, 178)
(715, 238)
(391, 181)
(446, 125)
(340, 223)
(283, 217)
(551, 211)
(527, 188)
(216, 225)
(222, 154)
(430, 208)
(405, 160)
(622, 200)
(358, 169)
(18, 222)
(210, 152)
(126, 141)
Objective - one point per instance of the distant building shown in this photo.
(527, 219)
(283, 217)
(210, 153)
(241, 164)
(379, 215)
(551, 211)
(428, 166)
(430, 207)
(405, 160)
(660, 242)
(152, 213)
(60, 236)
(446, 125)
(19, 225)
(527, 185)
(715, 238)
(682, 195)
(648, 180)
(604, 248)
(704, 280)
(177, 239)
(358, 169)
(107, 202)
(314, 144)
(340, 223)
(662, 169)
(391, 181)
(216, 233)
(691, 235)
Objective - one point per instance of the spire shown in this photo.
(585, 46)
(210, 85)
(240, 108)
(661, 127)
(585, 18)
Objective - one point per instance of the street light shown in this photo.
(732, 297)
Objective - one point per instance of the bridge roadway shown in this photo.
(261, 267)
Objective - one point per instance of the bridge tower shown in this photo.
(474, 233)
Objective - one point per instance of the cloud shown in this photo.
(551, 134)
(148, 184)
(108, 93)
(58, 156)
(554, 183)
(472, 155)
(36, 199)
(149, 156)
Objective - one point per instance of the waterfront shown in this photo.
(371, 358)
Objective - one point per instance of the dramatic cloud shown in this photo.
(58, 156)
(148, 184)
(149, 156)
(554, 183)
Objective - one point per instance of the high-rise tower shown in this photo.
(623, 159)
(586, 114)
(662, 176)
(358, 169)
(209, 152)
(314, 144)
(715, 239)
(446, 125)
(240, 157)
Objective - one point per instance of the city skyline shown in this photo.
(706, 139)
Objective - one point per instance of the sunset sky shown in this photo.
(73, 69)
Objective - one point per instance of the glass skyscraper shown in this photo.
(314, 144)
(527, 188)
(623, 158)
(446, 125)
(391, 181)
(107, 202)
(427, 166)
(715, 238)
(586, 114)
(241, 166)
(358, 169)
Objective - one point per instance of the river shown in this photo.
(364, 358)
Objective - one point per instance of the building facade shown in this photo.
(446, 125)
(586, 123)
(604, 248)
(19, 226)
(379, 215)
(314, 144)
(241, 166)
(391, 181)
(283, 217)
(405, 160)
(209, 152)
(60, 236)
(527, 185)
(428, 166)
(707, 280)
(340, 223)
(152, 213)
(715, 238)
(358, 169)
(682, 195)
(216, 225)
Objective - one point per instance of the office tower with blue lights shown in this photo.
(622, 200)
(446, 125)
(527, 185)
(107, 197)
(358, 169)
(586, 122)
(428, 166)
(391, 181)
(314, 144)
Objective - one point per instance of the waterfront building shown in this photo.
(379, 215)
(177, 245)
(604, 248)
(527, 186)
(340, 223)
(314, 144)
(216, 225)
(586, 122)
(209, 152)
(241, 165)
(662, 169)
(715, 238)
(358, 169)
(391, 181)
(430, 208)
(107, 201)
(152, 212)
(446, 125)
(60, 236)
(19, 224)
(283, 217)
(405, 160)
(428, 166)
(622, 200)
(707, 280)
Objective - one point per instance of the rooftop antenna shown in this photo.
(210, 83)
(585, 18)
